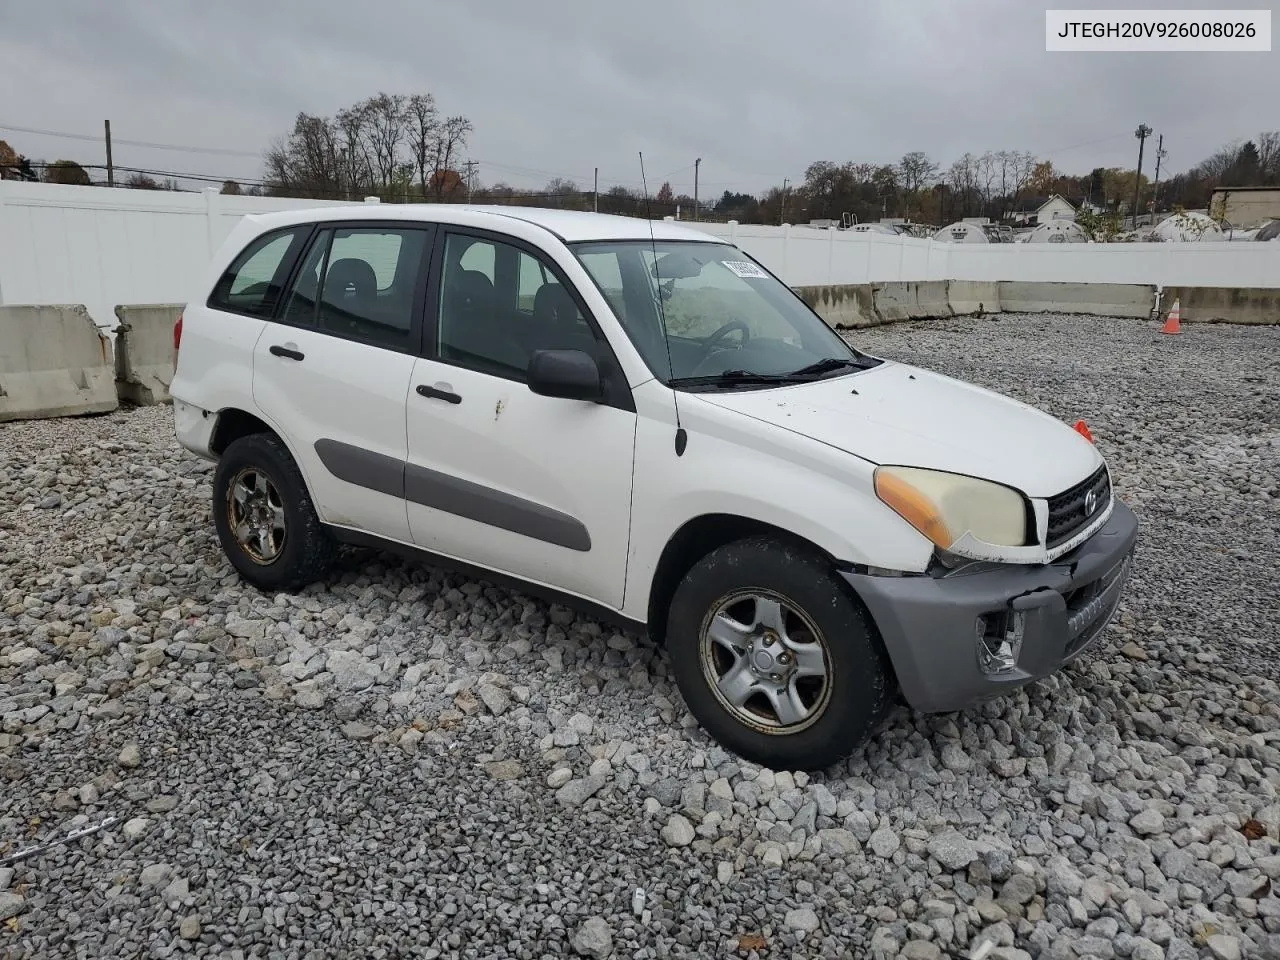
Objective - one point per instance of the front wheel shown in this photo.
(774, 656)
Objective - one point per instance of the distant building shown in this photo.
(1245, 206)
(1038, 210)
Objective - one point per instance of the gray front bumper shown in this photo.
(929, 623)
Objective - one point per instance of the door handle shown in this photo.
(289, 352)
(436, 393)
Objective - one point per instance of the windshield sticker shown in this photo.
(745, 269)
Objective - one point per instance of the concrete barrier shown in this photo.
(969, 297)
(931, 300)
(54, 362)
(1223, 304)
(910, 301)
(1094, 299)
(843, 307)
(144, 351)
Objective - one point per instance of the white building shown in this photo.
(1040, 210)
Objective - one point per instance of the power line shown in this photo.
(1085, 143)
(147, 144)
(576, 179)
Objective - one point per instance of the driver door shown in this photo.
(532, 486)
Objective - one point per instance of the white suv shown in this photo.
(640, 419)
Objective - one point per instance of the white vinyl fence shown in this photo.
(100, 247)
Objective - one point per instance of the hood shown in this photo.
(902, 415)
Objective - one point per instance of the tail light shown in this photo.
(177, 333)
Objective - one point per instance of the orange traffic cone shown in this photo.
(1082, 428)
(1174, 323)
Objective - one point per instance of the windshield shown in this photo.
(727, 323)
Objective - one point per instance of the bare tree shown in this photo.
(307, 162)
(916, 171)
(1268, 144)
(385, 125)
(356, 169)
(1022, 165)
(378, 145)
(561, 192)
(1214, 167)
(451, 138)
(423, 127)
(962, 177)
(988, 174)
(827, 187)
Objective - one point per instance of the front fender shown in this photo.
(775, 477)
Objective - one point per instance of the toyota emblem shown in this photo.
(1090, 503)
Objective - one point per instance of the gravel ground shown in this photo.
(406, 762)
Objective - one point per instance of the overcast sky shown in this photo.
(756, 88)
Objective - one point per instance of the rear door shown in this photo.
(220, 332)
(332, 370)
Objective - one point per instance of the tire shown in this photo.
(819, 612)
(296, 554)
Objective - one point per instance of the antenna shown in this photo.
(682, 438)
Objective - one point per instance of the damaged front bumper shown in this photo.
(979, 632)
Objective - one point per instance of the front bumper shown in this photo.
(930, 625)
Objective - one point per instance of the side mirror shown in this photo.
(571, 374)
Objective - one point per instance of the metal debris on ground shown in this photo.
(57, 842)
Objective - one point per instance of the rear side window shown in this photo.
(253, 283)
(360, 283)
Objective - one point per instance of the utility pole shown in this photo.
(1141, 133)
(471, 167)
(782, 213)
(595, 192)
(111, 170)
(1155, 189)
(696, 164)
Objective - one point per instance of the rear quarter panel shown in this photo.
(214, 369)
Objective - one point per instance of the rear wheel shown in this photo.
(265, 520)
(775, 657)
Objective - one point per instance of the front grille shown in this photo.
(1067, 513)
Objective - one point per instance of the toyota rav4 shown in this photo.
(640, 419)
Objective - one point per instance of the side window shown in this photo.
(533, 277)
(305, 295)
(499, 303)
(253, 282)
(359, 283)
(479, 257)
(379, 250)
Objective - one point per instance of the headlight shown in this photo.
(946, 506)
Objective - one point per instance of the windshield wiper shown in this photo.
(829, 364)
(730, 378)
